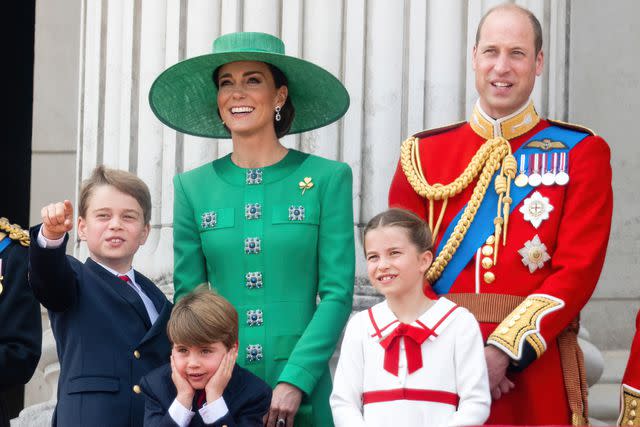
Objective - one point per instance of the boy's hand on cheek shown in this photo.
(57, 219)
(184, 390)
(218, 381)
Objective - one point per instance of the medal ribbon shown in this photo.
(536, 163)
(4, 243)
(413, 339)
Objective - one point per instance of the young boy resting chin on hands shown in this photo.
(202, 385)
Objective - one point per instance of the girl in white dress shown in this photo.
(413, 359)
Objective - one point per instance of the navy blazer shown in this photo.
(20, 324)
(247, 397)
(104, 337)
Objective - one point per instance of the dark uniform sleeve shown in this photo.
(256, 399)
(20, 324)
(155, 414)
(51, 277)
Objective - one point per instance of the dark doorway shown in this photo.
(15, 169)
(19, 19)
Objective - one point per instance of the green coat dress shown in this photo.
(272, 249)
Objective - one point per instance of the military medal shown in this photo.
(535, 178)
(534, 254)
(522, 180)
(536, 209)
(554, 165)
(562, 177)
(548, 177)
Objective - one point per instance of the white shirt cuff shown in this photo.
(43, 242)
(181, 415)
(212, 412)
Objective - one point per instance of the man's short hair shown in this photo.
(123, 181)
(203, 317)
(535, 24)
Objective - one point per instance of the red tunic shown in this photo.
(630, 390)
(575, 234)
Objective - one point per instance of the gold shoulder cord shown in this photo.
(15, 232)
(493, 154)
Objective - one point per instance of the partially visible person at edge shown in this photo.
(269, 228)
(630, 387)
(20, 324)
(525, 255)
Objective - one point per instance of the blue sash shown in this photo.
(4, 243)
(482, 225)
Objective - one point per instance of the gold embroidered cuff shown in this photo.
(523, 325)
(629, 406)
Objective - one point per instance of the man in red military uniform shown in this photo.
(521, 210)
(630, 388)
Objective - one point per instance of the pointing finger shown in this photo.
(60, 213)
(68, 214)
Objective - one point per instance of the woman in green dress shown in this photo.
(270, 228)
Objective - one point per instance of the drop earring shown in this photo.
(278, 116)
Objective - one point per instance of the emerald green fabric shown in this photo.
(299, 260)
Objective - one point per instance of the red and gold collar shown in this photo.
(508, 127)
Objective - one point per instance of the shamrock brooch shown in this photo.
(305, 184)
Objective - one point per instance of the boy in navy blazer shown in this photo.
(108, 320)
(202, 385)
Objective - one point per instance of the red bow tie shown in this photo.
(413, 339)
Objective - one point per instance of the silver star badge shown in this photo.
(534, 254)
(536, 209)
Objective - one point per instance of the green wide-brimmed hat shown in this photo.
(184, 95)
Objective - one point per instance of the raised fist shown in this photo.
(57, 219)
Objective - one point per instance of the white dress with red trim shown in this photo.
(431, 372)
